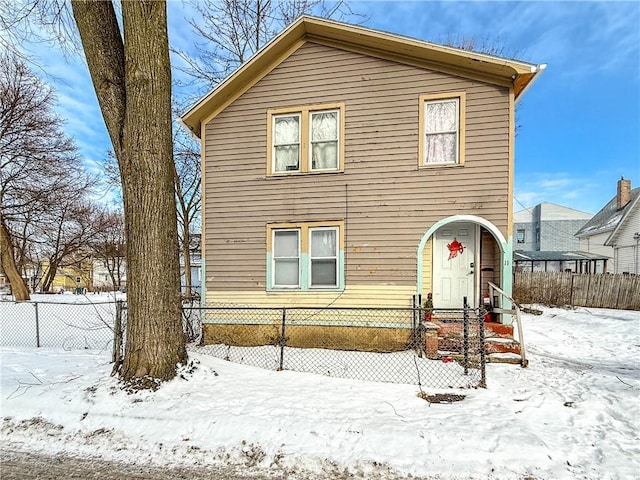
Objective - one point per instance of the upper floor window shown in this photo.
(305, 140)
(442, 129)
(325, 140)
(286, 143)
(520, 236)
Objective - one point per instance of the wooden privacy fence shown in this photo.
(594, 290)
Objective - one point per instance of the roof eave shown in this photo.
(524, 82)
(192, 117)
(520, 75)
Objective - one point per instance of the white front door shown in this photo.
(453, 265)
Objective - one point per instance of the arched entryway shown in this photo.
(458, 256)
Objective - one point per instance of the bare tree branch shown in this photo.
(40, 167)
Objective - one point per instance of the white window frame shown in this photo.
(274, 145)
(337, 140)
(455, 131)
(460, 100)
(274, 258)
(305, 151)
(524, 235)
(335, 257)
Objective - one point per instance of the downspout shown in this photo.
(636, 237)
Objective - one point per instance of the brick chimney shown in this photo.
(624, 193)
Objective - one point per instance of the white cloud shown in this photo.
(575, 38)
(586, 191)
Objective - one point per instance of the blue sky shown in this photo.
(579, 124)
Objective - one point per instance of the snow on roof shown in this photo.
(607, 218)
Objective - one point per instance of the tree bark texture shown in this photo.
(18, 288)
(132, 79)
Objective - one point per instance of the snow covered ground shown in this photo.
(573, 413)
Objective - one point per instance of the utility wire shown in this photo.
(549, 225)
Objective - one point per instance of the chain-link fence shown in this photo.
(434, 348)
(191, 325)
(58, 324)
(87, 324)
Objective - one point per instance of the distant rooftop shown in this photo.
(608, 218)
(536, 256)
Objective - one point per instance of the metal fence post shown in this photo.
(421, 328)
(35, 304)
(483, 359)
(414, 325)
(465, 341)
(282, 338)
(415, 322)
(117, 333)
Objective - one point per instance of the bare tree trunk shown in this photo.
(148, 191)
(18, 288)
(186, 253)
(133, 84)
(111, 271)
(48, 278)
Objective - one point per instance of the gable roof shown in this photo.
(630, 207)
(520, 75)
(609, 218)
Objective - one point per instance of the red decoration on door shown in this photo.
(455, 247)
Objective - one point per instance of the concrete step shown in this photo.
(510, 358)
(501, 345)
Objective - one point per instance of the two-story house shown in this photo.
(615, 230)
(192, 287)
(345, 166)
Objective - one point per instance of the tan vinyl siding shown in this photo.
(353, 296)
(387, 204)
(427, 264)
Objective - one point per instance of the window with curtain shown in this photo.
(441, 124)
(286, 258)
(323, 257)
(324, 140)
(286, 143)
(306, 139)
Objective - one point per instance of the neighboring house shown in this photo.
(102, 280)
(71, 278)
(615, 230)
(344, 166)
(195, 258)
(548, 227)
(30, 277)
(4, 283)
(545, 240)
